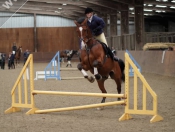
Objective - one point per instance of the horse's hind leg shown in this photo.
(103, 90)
(117, 81)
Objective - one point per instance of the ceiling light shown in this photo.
(59, 8)
(147, 10)
(173, 7)
(150, 5)
(162, 0)
(159, 11)
(131, 8)
(57, 12)
(173, 1)
(161, 6)
(148, 14)
(31, 8)
(64, 4)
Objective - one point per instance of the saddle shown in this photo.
(108, 51)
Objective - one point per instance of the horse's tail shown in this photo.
(122, 67)
(72, 54)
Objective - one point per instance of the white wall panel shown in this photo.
(53, 21)
(17, 21)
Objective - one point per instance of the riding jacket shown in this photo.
(96, 25)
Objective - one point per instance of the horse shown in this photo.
(18, 55)
(94, 58)
(66, 53)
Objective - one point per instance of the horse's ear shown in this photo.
(76, 23)
(84, 22)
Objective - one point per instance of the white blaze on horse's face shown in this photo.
(81, 30)
(82, 42)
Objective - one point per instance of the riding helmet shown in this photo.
(88, 10)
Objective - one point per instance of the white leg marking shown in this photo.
(95, 71)
(84, 72)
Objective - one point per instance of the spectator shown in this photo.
(9, 62)
(12, 59)
(2, 61)
(26, 55)
(174, 48)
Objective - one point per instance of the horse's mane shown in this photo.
(81, 20)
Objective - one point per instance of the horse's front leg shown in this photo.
(89, 78)
(96, 74)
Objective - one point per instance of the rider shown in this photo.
(96, 25)
(14, 48)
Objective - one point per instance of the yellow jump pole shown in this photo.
(78, 94)
(80, 107)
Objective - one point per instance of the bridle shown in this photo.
(86, 39)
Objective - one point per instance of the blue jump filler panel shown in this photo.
(131, 70)
(52, 70)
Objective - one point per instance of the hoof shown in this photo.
(98, 77)
(100, 108)
(91, 79)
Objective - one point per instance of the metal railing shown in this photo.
(127, 41)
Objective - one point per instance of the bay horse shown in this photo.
(66, 53)
(18, 55)
(94, 58)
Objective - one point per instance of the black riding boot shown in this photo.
(110, 53)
